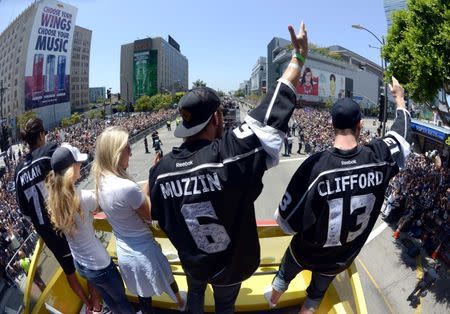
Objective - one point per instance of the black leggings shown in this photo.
(145, 303)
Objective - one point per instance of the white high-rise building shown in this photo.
(44, 63)
(391, 6)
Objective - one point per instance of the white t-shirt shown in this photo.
(86, 249)
(119, 198)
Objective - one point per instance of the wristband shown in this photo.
(298, 56)
(294, 65)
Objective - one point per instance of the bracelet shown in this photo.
(298, 56)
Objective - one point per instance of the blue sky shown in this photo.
(221, 39)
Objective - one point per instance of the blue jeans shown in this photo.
(109, 284)
(224, 296)
(289, 268)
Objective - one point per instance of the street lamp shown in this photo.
(384, 66)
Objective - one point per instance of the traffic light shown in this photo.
(118, 96)
(108, 93)
(381, 108)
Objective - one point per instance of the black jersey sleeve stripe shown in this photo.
(402, 123)
(271, 140)
(276, 108)
(398, 139)
(398, 147)
(272, 101)
(284, 224)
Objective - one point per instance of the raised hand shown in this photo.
(398, 92)
(396, 89)
(300, 41)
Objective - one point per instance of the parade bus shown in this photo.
(345, 294)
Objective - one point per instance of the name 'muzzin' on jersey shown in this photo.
(333, 200)
(203, 192)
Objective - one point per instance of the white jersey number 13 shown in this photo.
(336, 207)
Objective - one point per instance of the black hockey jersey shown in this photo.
(202, 193)
(334, 198)
(30, 177)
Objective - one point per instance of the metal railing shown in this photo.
(13, 270)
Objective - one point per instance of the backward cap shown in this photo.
(196, 109)
(64, 156)
(345, 113)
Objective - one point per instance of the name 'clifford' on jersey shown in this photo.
(194, 185)
(345, 183)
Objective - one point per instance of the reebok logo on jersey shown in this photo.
(184, 164)
(348, 162)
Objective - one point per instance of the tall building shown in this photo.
(325, 78)
(35, 63)
(391, 6)
(150, 66)
(258, 79)
(79, 71)
(95, 93)
(245, 87)
(274, 47)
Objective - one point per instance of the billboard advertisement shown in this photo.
(145, 73)
(321, 83)
(47, 69)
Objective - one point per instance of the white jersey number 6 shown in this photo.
(211, 237)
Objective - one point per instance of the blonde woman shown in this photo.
(72, 214)
(144, 268)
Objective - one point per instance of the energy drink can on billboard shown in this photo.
(50, 74)
(38, 75)
(61, 72)
(140, 77)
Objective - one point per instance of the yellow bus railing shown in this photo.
(265, 230)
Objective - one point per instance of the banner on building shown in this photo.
(145, 73)
(47, 69)
(321, 83)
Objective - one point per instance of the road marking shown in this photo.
(293, 159)
(376, 285)
(376, 232)
(419, 276)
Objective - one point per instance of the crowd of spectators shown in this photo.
(84, 134)
(15, 228)
(419, 202)
(314, 130)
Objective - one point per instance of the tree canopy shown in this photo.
(23, 118)
(418, 52)
(198, 83)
